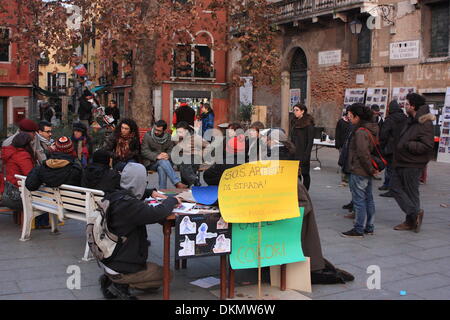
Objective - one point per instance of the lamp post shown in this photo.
(356, 26)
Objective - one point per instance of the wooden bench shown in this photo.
(64, 202)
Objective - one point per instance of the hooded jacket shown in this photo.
(59, 169)
(128, 216)
(101, 177)
(391, 129)
(15, 161)
(361, 148)
(302, 136)
(416, 141)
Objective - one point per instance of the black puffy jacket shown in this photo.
(415, 145)
(391, 129)
(59, 169)
(101, 177)
(128, 216)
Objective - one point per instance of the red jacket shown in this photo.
(15, 161)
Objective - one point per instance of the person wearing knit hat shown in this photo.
(64, 145)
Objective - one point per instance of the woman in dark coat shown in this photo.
(124, 144)
(302, 135)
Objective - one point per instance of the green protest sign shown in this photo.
(280, 243)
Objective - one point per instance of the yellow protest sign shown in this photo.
(259, 191)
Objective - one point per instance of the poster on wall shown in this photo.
(246, 91)
(378, 96)
(295, 97)
(444, 141)
(353, 95)
(400, 93)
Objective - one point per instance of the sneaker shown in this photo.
(105, 282)
(383, 188)
(388, 194)
(369, 233)
(121, 291)
(348, 206)
(352, 234)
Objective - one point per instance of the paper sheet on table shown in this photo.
(186, 208)
(206, 282)
(187, 196)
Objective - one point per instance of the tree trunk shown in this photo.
(142, 108)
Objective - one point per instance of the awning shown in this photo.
(98, 88)
(46, 92)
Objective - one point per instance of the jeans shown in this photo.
(363, 204)
(165, 170)
(405, 187)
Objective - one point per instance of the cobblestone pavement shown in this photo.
(416, 263)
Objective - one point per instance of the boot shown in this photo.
(418, 223)
(121, 291)
(403, 226)
(105, 282)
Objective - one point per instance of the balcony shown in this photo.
(188, 74)
(290, 11)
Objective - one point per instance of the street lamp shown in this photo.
(356, 26)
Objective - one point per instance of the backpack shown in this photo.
(101, 241)
(378, 162)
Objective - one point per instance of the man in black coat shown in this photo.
(412, 153)
(60, 168)
(85, 108)
(127, 216)
(98, 175)
(389, 135)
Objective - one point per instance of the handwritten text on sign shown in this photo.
(259, 191)
(280, 243)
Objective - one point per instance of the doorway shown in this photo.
(299, 73)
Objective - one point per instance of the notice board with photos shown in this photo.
(378, 96)
(444, 141)
(400, 94)
(353, 95)
(201, 235)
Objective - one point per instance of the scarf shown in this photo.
(160, 140)
(46, 142)
(123, 146)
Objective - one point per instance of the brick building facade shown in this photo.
(401, 43)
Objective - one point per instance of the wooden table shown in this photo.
(168, 224)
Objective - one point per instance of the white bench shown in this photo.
(64, 202)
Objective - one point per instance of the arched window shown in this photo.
(299, 73)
